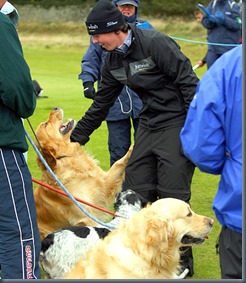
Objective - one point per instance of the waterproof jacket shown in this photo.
(17, 98)
(153, 67)
(128, 104)
(229, 32)
(212, 134)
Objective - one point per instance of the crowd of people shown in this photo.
(144, 82)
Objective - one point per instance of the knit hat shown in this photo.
(123, 2)
(103, 18)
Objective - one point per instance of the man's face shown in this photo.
(127, 10)
(108, 41)
(199, 17)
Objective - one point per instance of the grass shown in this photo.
(54, 53)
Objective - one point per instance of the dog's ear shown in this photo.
(159, 233)
(49, 154)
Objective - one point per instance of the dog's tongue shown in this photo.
(206, 237)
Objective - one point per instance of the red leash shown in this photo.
(79, 200)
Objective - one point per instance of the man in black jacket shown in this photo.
(153, 66)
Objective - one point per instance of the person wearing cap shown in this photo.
(123, 116)
(19, 234)
(152, 65)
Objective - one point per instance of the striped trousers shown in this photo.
(19, 234)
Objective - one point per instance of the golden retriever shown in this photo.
(147, 246)
(78, 172)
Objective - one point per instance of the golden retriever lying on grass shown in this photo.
(78, 172)
(147, 245)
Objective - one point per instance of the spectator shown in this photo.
(222, 20)
(152, 65)
(212, 139)
(19, 234)
(124, 114)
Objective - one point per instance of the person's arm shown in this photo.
(202, 62)
(91, 66)
(105, 97)
(233, 21)
(202, 136)
(209, 20)
(17, 91)
(175, 65)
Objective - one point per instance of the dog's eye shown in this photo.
(46, 124)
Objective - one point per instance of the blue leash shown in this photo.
(63, 187)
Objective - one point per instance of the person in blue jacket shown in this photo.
(124, 114)
(212, 139)
(223, 23)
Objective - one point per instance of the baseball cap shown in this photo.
(9, 10)
(123, 2)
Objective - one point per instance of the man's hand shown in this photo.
(89, 90)
(212, 18)
(220, 18)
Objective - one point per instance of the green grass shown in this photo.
(54, 59)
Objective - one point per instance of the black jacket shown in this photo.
(153, 67)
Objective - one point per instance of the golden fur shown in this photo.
(147, 246)
(78, 172)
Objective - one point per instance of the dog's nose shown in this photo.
(56, 108)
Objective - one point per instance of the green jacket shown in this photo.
(17, 98)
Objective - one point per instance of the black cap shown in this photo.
(103, 18)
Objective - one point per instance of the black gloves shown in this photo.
(89, 90)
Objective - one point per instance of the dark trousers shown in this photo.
(119, 137)
(211, 57)
(230, 253)
(158, 169)
(19, 234)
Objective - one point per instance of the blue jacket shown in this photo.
(128, 104)
(212, 134)
(226, 32)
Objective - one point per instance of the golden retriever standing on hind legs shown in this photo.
(78, 172)
(147, 246)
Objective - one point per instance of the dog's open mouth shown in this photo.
(66, 127)
(189, 240)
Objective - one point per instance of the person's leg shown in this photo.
(211, 58)
(19, 234)
(119, 138)
(230, 253)
(141, 168)
(175, 173)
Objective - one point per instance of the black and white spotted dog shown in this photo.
(61, 249)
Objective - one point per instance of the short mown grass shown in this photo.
(54, 56)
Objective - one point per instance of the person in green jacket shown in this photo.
(19, 234)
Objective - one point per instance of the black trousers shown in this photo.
(158, 169)
(230, 253)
